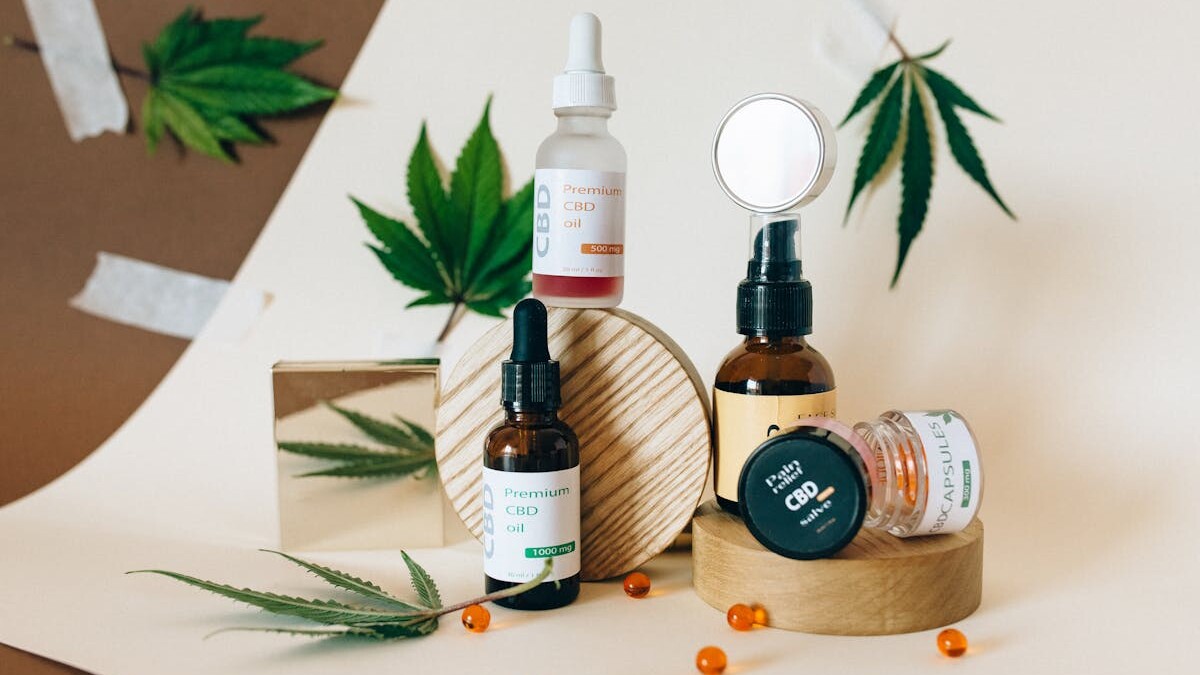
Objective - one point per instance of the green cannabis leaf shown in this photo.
(208, 79)
(947, 416)
(409, 449)
(471, 247)
(902, 127)
(389, 618)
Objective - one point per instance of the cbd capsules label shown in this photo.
(953, 471)
(579, 223)
(528, 517)
(743, 421)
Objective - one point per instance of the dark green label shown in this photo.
(966, 500)
(550, 551)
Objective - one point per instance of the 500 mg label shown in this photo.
(528, 517)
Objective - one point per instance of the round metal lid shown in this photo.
(773, 152)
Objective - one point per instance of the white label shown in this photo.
(579, 223)
(528, 517)
(953, 474)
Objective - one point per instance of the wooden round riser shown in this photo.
(640, 411)
(877, 585)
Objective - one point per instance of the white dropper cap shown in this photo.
(583, 83)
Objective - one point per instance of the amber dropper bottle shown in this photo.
(531, 476)
(774, 377)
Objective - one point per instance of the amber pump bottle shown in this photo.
(774, 377)
(531, 476)
(772, 154)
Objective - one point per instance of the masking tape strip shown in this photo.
(855, 35)
(168, 301)
(77, 61)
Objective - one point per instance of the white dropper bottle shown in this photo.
(579, 194)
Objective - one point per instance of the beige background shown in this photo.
(1066, 339)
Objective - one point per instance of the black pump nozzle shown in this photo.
(775, 256)
(529, 379)
(774, 300)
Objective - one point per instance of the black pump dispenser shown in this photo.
(773, 299)
(529, 379)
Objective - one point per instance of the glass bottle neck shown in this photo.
(898, 485)
(797, 340)
(583, 120)
(530, 418)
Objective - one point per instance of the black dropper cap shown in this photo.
(529, 378)
(774, 300)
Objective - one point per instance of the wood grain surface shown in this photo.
(641, 414)
(877, 585)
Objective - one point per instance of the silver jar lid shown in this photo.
(772, 153)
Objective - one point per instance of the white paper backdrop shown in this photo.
(1066, 338)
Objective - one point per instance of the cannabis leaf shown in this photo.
(208, 78)
(947, 416)
(902, 127)
(423, 584)
(470, 248)
(388, 619)
(409, 449)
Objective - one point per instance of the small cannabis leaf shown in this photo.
(388, 619)
(901, 126)
(409, 449)
(946, 415)
(471, 248)
(423, 584)
(208, 78)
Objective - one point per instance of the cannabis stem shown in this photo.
(31, 46)
(506, 593)
(456, 315)
(904, 56)
(895, 42)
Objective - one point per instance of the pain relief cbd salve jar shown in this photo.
(804, 493)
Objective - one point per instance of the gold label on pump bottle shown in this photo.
(743, 421)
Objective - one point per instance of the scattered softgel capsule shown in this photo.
(637, 585)
(476, 618)
(740, 617)
(710, 660)
(952, 642)
(760, 614)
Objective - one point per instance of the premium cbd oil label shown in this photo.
(744, 421)
(579, 223)
(528, 517)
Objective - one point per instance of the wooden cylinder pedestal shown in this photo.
(878, 585)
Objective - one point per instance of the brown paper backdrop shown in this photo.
(68, 380)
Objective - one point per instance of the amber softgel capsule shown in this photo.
(740, 617)
(952, 642)
(760, 614)
(711, 660)
(637, 585)
(476, 618)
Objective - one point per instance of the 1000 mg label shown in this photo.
(528, 517)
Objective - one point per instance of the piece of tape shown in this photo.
(77, 61)
(167, 301)
(855, 35)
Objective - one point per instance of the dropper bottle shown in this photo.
(771, 154)
(531, 475)
(579, 193)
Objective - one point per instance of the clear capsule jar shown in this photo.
(924, 472)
